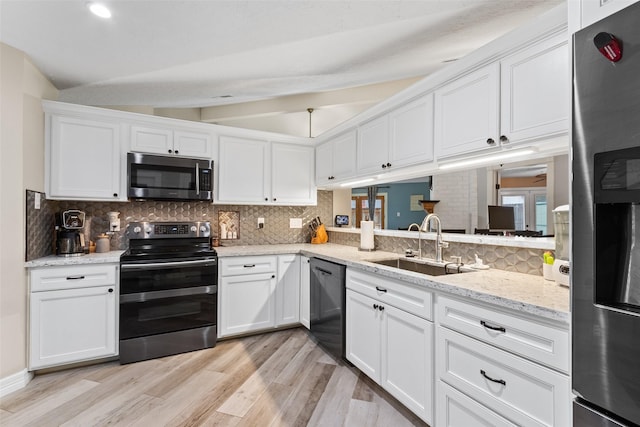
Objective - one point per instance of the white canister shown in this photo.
(103, 243)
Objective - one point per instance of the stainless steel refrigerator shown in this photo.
(605, 222)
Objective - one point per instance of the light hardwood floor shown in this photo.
(276, 379)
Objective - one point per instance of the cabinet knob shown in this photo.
(504, 139)
(375, 306)
(115, 194)
(384, 166)
(266, 199)
(490, 141)
(273, 276)
(176, 152)
(170, 151)
(381, 308)
(110, 290)
(274, 199)
(388, 165)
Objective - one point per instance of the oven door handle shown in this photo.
(171, 293)
(160, 265)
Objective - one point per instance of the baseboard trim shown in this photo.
(14, 382)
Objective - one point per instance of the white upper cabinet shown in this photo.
(244, 164)
(373, 146)
(466, 113)
(411, 128)
(535, 92)
(522, 98)
(161, 140)
(336, 159)
(260, 172)
(84, 158)
(400, 138)
(592, 11)
(292, 173)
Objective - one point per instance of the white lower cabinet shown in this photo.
(392, 347)
(490, 367)
(288, 290)
(456, 409)
(72, 314)
(305, 292)
(257, 293)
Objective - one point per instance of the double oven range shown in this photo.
(168, 290)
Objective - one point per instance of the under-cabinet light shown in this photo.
(99, 10)
(352, 183)
(486, 159)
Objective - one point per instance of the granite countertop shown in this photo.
(94, 258)
(517, 291)
(522, 292)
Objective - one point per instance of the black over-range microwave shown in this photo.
(170, 178)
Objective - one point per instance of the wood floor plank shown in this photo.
(279, 379)
(241, 401)
(267, 408)
(40, 410)
(311, 385)
(362, 414)
(333, 406)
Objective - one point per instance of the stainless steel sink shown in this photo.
(423, 266)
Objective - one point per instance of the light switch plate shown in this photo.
(295, 222)
(37, 201)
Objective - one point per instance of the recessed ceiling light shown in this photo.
(99, 10)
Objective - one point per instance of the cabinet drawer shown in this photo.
(72, 277)
(522, 391)
(459, 410)
(236, 266)
(402, 295)
(540, 342)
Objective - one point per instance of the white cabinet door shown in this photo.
(412, 132)
(324, 163)
(288, 290)
(167, 141)
(595, 10)
(84, 159)
(344, 156)
(292, 172)
(363, 334)
(305, 292)
(151, 140)
(246, 303)
(466, 113)
(336, 159)
(407, 360)
(373, 146)
(535, 92)
(193, 144)
(72, 325)
(243, 172)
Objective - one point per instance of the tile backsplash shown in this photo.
(40, 222)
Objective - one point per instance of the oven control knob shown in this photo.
(148, 229)
(193, 229)
(137, 229)
(203, 228)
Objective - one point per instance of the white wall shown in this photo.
(22, 87)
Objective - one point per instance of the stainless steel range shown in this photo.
(168, 290)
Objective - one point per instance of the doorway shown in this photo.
(360, 210)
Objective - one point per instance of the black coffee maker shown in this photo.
(69, 236)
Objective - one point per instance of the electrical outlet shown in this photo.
(37, 201)
(260, 222)
(295, 222)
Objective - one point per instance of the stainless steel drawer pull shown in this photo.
(493, 328)
(380, 289)
(484, 374)
(75, 277)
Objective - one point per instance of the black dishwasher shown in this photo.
(328, 296)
